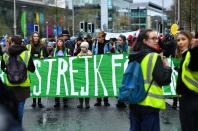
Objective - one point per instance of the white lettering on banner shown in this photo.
(85, 92)
(173, 78)
(62, 68)
(114, 65)
(96, 74)
(71, 71)
(37, 64)
(50, 61)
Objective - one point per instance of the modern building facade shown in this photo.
(51, 16)
(147, 15)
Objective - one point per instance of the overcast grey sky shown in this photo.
(167, 3)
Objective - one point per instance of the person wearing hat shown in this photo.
(69, 44)
(84, 46)
(50, 48)
(65, 35)
(130, 40)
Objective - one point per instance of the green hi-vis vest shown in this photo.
(190, 78)
(25, 55)
(155, 96)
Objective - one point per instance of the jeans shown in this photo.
(21, 110)
(144, 121)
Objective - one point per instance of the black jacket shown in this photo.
(17, 50)
(161, 75)
(36, 52)
(193, 65)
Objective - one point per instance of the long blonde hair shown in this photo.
(178, 53)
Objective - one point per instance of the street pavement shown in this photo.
(93, 119)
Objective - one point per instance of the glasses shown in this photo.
(154, 38)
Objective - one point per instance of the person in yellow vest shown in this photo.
(38, 50)
(144, 116)
(187, 83)
(21, 90)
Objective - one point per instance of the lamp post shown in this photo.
(178, 13)
(15, 17)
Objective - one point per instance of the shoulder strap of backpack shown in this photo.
(149, 87)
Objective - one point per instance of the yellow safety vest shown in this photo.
(190, 78)
(155, 96)
(25, 55)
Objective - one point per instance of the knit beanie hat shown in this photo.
(84, 44)
(51, 44)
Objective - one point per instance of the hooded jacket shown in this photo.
(20, 93)
(161, 75)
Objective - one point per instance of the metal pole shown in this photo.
(178, 14)
(73, 17)
(190, 17)
(175, 11)
(162, 16)
(139, 16)
(47, 30)
(15, 17)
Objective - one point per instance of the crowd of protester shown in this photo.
(138, 47)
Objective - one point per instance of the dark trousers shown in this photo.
(105, 99)
(82, 99)
(188, 113)
(144, 121)
(39, 100)
(57, 100)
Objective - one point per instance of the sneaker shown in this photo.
(106, 104)
(97, 104)
(87, 106)
(121, 105)
(80, 106)
(57, 105)
(33, 105)
(40, 105)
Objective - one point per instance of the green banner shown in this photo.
(86, 76)
(23, 23)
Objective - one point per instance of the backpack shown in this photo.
(132, 88)
(16, 70)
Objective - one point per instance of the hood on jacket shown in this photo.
(138, 55)
(16, 49)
